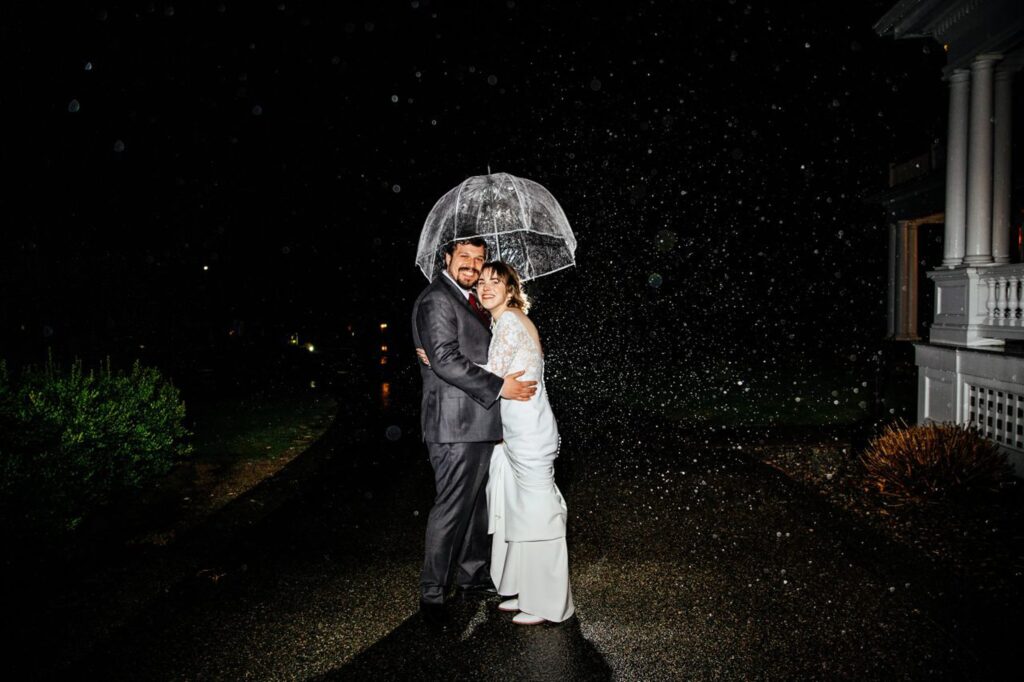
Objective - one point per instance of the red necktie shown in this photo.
(480, 311)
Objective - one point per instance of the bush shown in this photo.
(71, 440)
(933, 463)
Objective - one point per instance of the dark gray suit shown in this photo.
(461, 421)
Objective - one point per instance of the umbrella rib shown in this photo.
(455, 213)
(564, 267)
(522, 217)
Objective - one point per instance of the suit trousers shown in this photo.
(456, 539)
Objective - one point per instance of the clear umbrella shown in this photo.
(521, 222)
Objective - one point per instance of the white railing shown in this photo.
(1001, 288)
(979, 305)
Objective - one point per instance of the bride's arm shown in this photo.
(504, 344)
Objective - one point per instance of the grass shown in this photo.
(260, 427)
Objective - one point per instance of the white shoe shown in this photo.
(526, 619)
(511, 605)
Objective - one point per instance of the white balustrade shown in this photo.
(1001, 285)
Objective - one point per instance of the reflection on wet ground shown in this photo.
(688, 562)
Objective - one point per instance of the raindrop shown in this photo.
(118, 145)
(396, 188)
(654, 280)
(74, 106)
(393, 433)
(257, 110)
(492, 80)
(88, 66)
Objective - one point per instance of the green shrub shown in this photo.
(933, 463)
(71, 440)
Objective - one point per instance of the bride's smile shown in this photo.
(493, 292)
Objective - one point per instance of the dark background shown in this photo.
(714, 159)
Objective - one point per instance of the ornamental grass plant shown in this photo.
(933, 463)
(73, 439)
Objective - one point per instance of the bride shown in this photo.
(529, 558)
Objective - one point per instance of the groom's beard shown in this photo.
(474, 275)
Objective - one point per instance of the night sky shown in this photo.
(714, 159)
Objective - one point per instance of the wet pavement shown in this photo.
(687, 562)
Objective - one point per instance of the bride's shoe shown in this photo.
(510, 606)
(526, 619)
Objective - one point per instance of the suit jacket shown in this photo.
(460, 399)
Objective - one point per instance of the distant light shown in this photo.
(384, 360)
(383, 325)
(206, 267)
(294, 339)
(310, 347)
(383, 349)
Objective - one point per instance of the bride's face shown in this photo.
(491, 290)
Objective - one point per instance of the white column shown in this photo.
(978, 250)
(1002, 167)
(956, 169)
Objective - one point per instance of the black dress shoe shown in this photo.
(434, 614)
(480, 591)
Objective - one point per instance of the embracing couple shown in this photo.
(498, 520)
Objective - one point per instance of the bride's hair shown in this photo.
(507, 274)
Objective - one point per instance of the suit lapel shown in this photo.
(453, 290)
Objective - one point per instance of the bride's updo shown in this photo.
(508, 275)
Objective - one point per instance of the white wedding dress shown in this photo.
(527, 514)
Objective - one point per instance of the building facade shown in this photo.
(971, 365)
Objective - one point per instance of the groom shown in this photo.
(461, 422)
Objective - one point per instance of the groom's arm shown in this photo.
(436, 322)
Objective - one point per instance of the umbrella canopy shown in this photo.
(521, 222)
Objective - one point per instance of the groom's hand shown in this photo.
(423, 356)
(513, 389)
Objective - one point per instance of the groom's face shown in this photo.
(464, 264)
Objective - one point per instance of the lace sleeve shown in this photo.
(504, 344)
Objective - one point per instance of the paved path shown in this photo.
(687, 562)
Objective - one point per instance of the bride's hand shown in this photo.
(422, 354)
